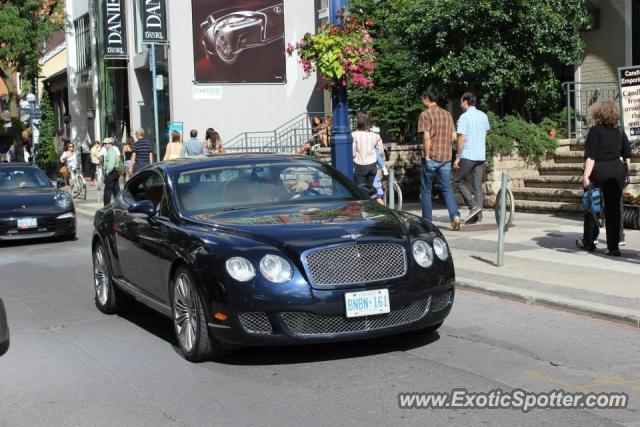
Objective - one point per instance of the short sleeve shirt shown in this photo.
(438, 123)
(605, 143)
(474, 125)
(142, 148)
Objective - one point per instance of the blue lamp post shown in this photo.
(342, 152)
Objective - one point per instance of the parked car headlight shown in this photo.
(275, 269)
(422, 253)
(63, 200)
(240, 269)
(440, 248)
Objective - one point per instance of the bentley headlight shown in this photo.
(422, 253)
(275, 269)
(440, 248)
(240, 269)
(63, 200)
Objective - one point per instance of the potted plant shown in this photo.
(631, 210)
(341, 54)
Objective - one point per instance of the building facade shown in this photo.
(223, 66)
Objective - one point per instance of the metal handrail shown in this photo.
(580, 96)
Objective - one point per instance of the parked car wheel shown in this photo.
(108, 298)
(189, 321)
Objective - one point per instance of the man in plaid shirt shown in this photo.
(439, 132)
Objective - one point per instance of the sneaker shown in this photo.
(472, 214)
(385, 171)
(455, 224)
(622, 243)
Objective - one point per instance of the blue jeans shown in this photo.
(428, 170)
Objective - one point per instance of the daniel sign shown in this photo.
(154, 21)
(115, 43)
(630, 100)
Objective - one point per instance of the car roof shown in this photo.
(228, 159)
(16, 164)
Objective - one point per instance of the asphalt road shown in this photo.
(69, 365)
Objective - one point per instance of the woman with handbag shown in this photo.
(606, 151)
(69, 160)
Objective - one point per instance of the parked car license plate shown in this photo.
(367, 303)
(26, 223)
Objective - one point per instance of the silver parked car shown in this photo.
(229, 32)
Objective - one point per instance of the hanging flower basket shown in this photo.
(631, 211)
(341, 54)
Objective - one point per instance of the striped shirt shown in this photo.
(143, 149)
(192, 148)
(364, 145)
(438, 123)
(474, 125)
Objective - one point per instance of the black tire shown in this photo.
(192, 332)
(113, 300)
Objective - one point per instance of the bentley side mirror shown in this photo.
(4, 330)
(143, 207)
(368, 191)
(60, 183)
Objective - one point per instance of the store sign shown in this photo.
(629, 78)
(154, 21)
(114, 35)
(207, 92)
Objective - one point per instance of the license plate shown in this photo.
(367, 303)
(27, 223)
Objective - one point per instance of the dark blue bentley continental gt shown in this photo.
(262, 249)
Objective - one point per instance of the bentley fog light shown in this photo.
(275, 269)
(440, 248)
(422, 253)
(240, 269)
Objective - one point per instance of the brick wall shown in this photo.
(605, 47)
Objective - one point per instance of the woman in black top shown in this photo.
(605, 148)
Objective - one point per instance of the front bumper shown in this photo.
(323, 318)
(47, 226)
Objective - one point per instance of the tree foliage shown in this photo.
(46, 156)
(504, 50)
(24, 26)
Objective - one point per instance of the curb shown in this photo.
(603, 311)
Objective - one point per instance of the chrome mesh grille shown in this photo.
(256, 323)
(441, 301)
(309, 324)
(351, 264)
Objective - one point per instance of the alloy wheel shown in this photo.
(101, 276)
(185, 312)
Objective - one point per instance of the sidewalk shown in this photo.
(541, 263)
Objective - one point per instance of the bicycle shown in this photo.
(78, 186)
(510, 208)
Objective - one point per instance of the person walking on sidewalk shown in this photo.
(95, 160)
(606, 150)
(142, 152)
(365, 144)
(439, 132)
(174, 148)
(473, 126)
(193, 147)
(111, 158)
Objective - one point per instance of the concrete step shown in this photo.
(548, 194)
(556, 207)
(553, 168)
(569, 157)
(569, 182)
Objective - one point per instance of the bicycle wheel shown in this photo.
(510, 208)
(77, 189)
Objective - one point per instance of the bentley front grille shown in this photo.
(309, 324)
(256, 323)
(356, 263)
